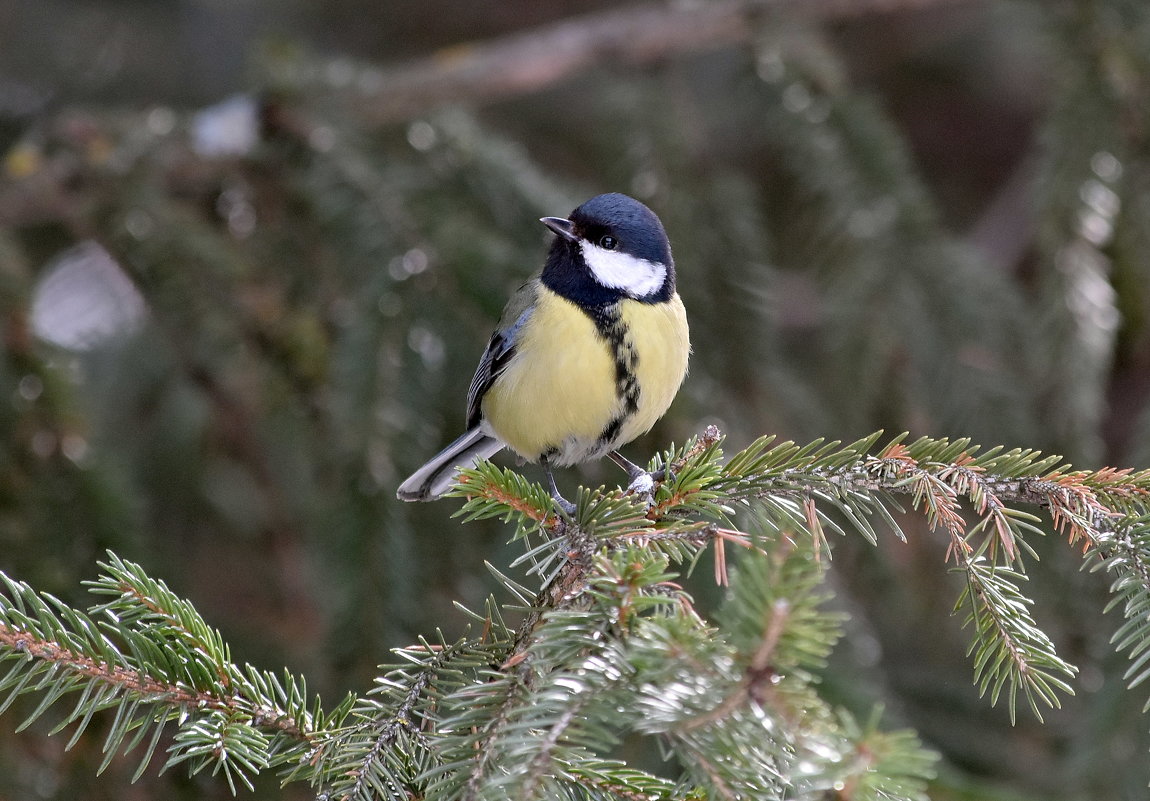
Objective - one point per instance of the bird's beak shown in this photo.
(562, 227)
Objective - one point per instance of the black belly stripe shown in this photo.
(612, 430)
(609, 323)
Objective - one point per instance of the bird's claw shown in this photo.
(564, 505)
(643, 484)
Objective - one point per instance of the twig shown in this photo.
(66, 188)
(565, 588)
(147, 687)
(531, 60)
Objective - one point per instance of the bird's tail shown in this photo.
(436, 477)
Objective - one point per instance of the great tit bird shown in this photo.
(587, 355)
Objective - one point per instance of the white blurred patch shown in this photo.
(229, 128)
(83, 299)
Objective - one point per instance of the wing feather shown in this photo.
(500, 349)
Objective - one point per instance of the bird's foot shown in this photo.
(564, 505)
(643, 482)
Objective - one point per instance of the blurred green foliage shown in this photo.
(933, 220)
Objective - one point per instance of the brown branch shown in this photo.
(566, 588)
(760, 674)
(531, 60)
(134, 681)
(718, 783)
(50, 651)
(64, 188)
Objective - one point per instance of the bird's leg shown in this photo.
(560, 501)
(642, 481)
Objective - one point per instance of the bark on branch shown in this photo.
(475, 73)
(531, 60)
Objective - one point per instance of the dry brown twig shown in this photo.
(543, 56)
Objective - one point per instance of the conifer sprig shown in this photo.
(150, 656)
(535, 709)
(1122, 549)
(977, 499)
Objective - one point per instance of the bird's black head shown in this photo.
(611, 247)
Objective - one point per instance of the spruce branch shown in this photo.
(383, 747)
(790, 487)
(148, 655)
(1009, 647)
(532, 710)
(1124, 552)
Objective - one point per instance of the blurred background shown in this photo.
(250, 252)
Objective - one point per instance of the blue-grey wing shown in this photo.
(500, 349)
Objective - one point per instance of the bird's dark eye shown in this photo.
(608, 242)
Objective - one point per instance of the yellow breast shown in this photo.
(560, 392)
(659, 335)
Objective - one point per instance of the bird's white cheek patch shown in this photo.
(636, 277)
